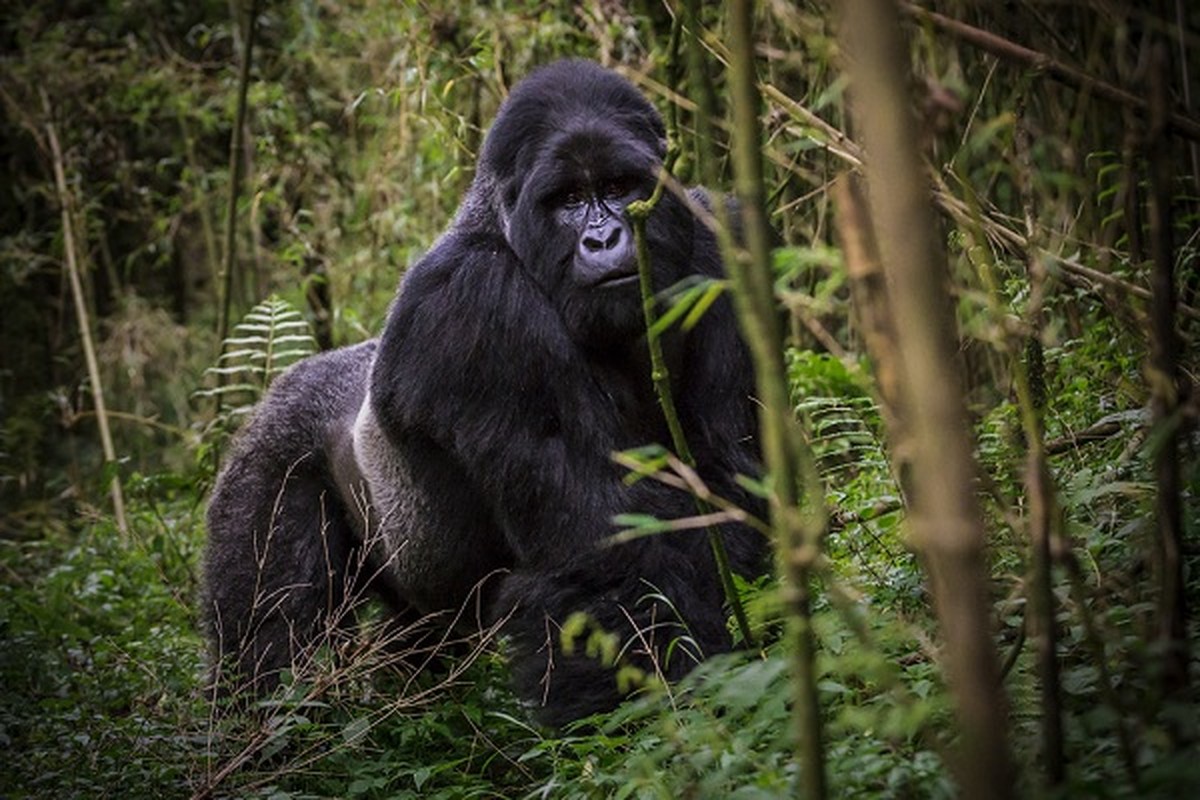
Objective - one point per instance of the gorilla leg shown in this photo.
(281, 543)
(659, 596)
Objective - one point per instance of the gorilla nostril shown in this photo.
(606, 238)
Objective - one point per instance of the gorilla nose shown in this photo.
(603, 237)
(605, 253)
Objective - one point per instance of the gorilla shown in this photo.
(465, 455)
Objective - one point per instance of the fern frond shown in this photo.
(270, 338)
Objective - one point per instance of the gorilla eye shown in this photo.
(573, 198)
(617, 188)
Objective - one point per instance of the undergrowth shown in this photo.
(100, 659)
(104, 695)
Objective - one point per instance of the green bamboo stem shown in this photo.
(235, 180)
(798, 519)
(1164, 377)
(660, 375)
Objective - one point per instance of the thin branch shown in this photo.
(235, 179)
(1185, 82)
(1011, 51)
(638, 213)
(149, 422)
(81, 313)
(836, 141)
(660, 376)
(1113, 282)
(1029, 380)
(685, 478)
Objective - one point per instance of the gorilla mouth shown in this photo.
(616, 279)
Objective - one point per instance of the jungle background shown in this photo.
(1062, 173)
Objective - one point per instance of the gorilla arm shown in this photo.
(476, 360)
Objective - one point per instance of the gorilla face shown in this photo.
(565, 171)
(569, 230)
(593, 210)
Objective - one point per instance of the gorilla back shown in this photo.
(471, 445)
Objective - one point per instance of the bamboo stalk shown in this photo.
(945, 522)
(874, 317)
(660, 377)
(235, 178)
(200, 199)
(1164, 383)
(81, 314)
(797, 519)
(701, 89)
(1030, 380)
(1185, 82)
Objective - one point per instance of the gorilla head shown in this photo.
(465, 457)
(571, 148)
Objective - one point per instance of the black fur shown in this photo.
(512, 366)
(280, 542)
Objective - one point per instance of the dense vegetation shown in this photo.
(1068, 200)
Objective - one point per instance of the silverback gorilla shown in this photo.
(480, 426)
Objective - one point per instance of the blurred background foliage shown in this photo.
(364, 120)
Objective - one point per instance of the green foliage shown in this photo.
(100, 659)
(725, 732)
(845, 431)
(687, 303)
(461, 744)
